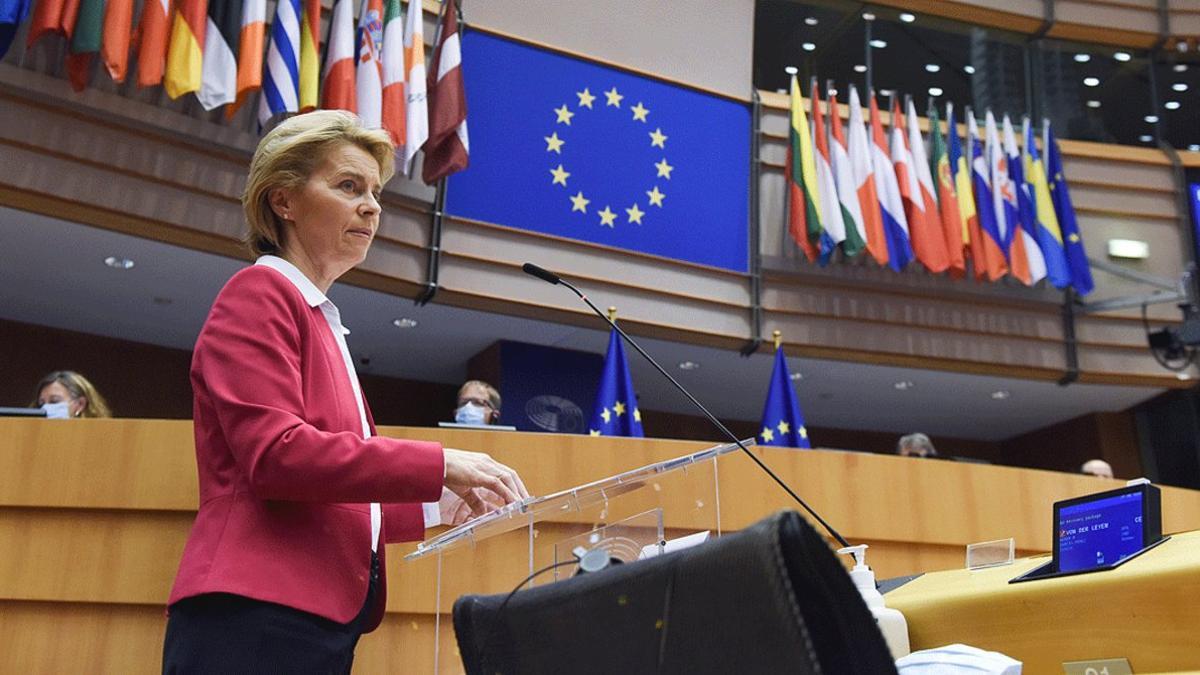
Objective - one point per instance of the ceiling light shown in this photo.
(832, 91)
(1083, 58)
(796, 377)
(1194, 147)
(1172, 105)
(1001, 394)
(1093, 103)
(118, 263)
(1180, 86)
(1145, 138)
(867, 16)
(908, 17)
(811, 21)
(878, 44)
(688, 365)
(1151, 119)
(404, 322)
(1091, 82)
(791, 70)
(1128, 249)
(935, 91)
(932, 67)
(904, 385)
(970, 70)
(860, 68)
(887, 92)
(1122, 56)
(1181, 67)
(808, 46)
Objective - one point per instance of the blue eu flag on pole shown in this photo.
(782, 421)
(569, 148)
(1077, 261)
(616, 411)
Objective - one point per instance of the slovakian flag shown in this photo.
(369, 71)
(891, 203)
(1004, 203)
(251, 38)
(928, 239)
(1026, 231)
(394, 108)
(971, 235)
(448, 148)
(804, 218)
(951, 220)
(281, 77)
(185, 55)
(338, 88)
(1064, 210)
(847, 188)
(154, 31)
(992, 242)
(833, 226)
(416, 124)
(218, 80)
(864, 181)
(12, 15)
(1049, 235)
(782, 421)
(616, 412)
(84, 42)
(114, 45)
(310, 56)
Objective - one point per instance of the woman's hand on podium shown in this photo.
(481, 482)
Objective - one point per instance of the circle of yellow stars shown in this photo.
(560, 176)
(768, 433)
(618, 409)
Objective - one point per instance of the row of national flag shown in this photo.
(989, 206)
(223, 51)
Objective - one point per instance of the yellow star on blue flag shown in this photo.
(615, 395)
(782, 421)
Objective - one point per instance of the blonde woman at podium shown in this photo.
(283, 569)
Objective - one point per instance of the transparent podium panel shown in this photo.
(537, 540)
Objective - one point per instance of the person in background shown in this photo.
(915, 445)
(65, 394)
(478, 403)
(1097, 467)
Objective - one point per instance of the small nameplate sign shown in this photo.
(1098, 667)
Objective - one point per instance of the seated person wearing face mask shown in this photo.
(478, 403)
(65, 394)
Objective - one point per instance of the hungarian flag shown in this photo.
(991, 241)
(250, 52)
(972, 236)
(52, 16)
(864, 181)
(447, 150)
(218, 80)
(1049, 234)
(152, 47)
(891, 203)
(310, 60)
(281, 78)
(952, 227)
(85, 42)
(804, 219)
(929, 242)
(847, 189)
(416, 124)
(1064, 210)
(1026, 230)
(370, 65)
(185, 55)
(12, 15)
(394, 112)
(114, 46)
(832, 224)
(338, 88)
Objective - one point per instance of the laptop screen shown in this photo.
(1099, 533)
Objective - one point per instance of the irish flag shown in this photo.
(804, 220)
(394, 108)
(847, 188)
(250, 52)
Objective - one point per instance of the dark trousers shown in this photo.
(222, 633)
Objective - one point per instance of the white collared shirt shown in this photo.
(315, 298)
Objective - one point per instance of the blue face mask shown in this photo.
(57, 411)
(470, 413)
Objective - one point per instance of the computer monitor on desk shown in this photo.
(21, 412)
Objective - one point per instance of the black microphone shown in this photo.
(553, 278)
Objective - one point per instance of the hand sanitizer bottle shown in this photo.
(891, 622)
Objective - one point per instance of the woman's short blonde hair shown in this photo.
(287, 156)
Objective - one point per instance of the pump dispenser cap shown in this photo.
(860, 555)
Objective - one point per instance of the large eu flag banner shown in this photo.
(570, 148)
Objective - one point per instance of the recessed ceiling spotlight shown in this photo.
(878, 44)
(808, 46)
(867, 16)
(1093, 103)
(860, 68)
(1181, 67)
(908, 17)
(796, 377)
(832, 91)
(1151, 119)
(1091, 82)
(887, 92)
(688, 365)
(1001, 394)
(791, 70)
(118, 263)
(904, 385)
(1083, 58)
(1180, 86)
(811, 21)
(970, 70)
(935, 91)
(932, 68)
(404, 322)
(1122, 56)
(1145, 138)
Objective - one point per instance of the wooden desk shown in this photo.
(94, 514)
(1147, 611)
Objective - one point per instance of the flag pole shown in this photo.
(612, 313)
(778, 337)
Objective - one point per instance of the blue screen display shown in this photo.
(1103, 532)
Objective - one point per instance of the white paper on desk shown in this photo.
(957, 659)
(677, 544)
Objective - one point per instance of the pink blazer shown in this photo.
(286, 477)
